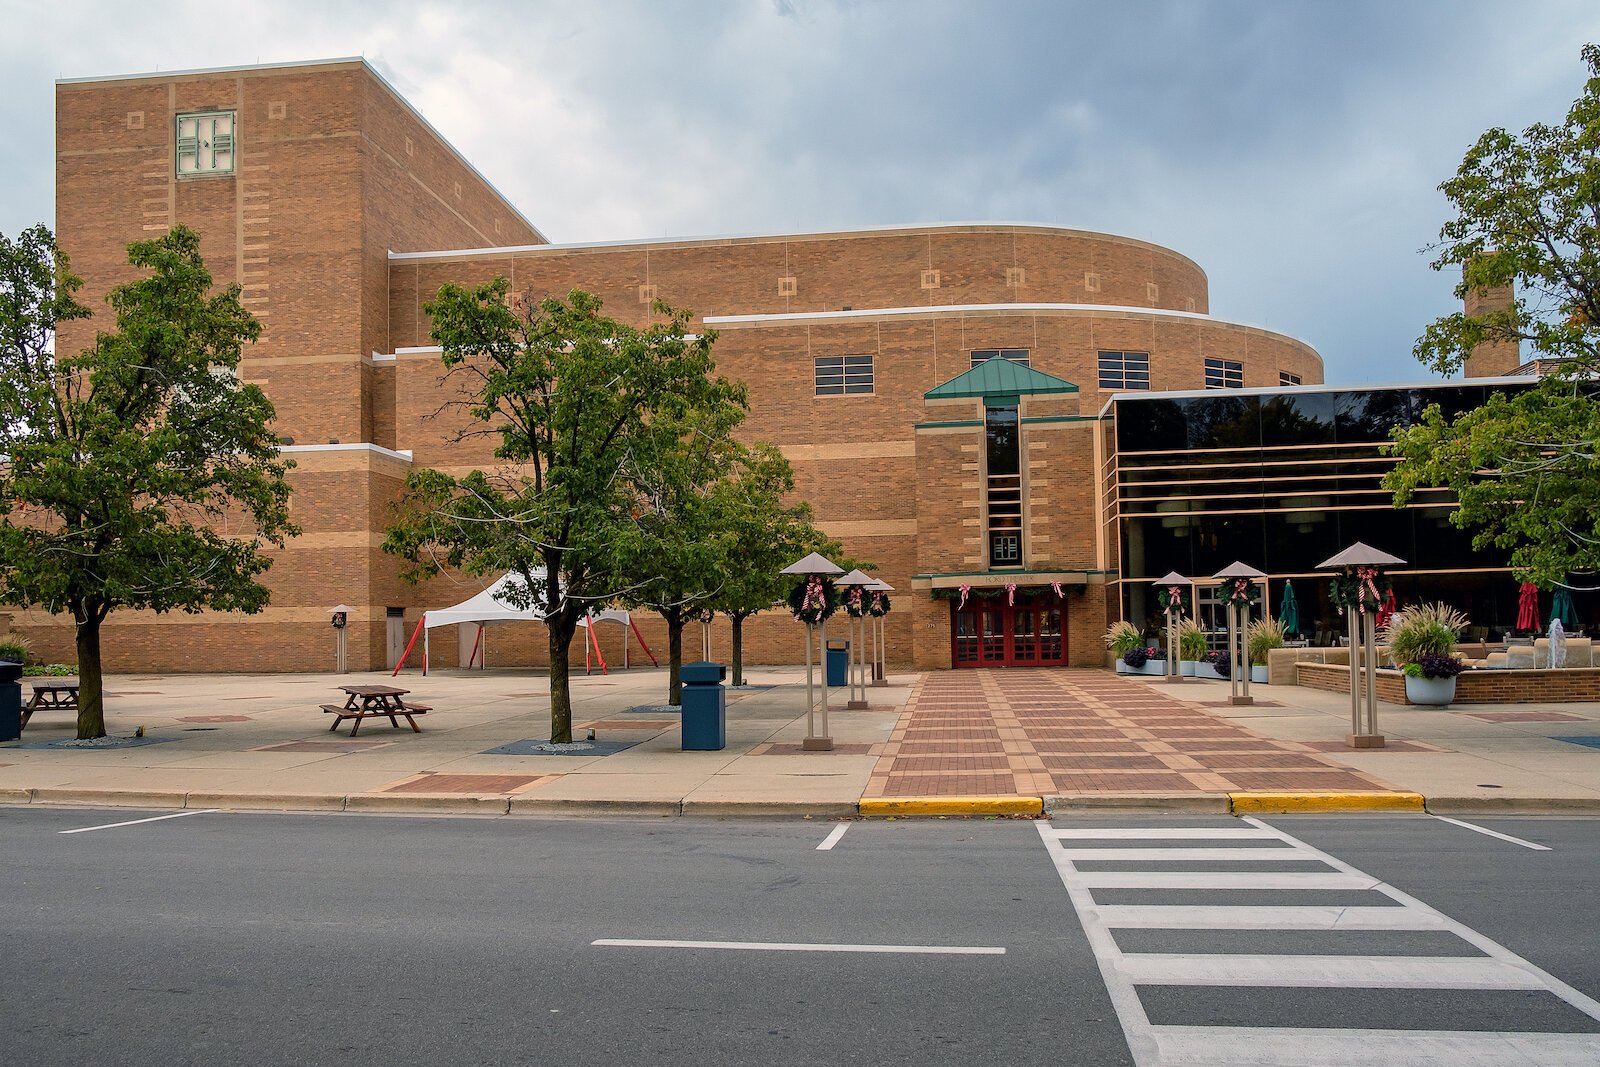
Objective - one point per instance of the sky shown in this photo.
(1293, 149)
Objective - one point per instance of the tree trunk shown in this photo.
(738, 648)
(561, 630)
(674, 657)
(91, 692)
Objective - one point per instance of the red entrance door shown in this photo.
(992, 633)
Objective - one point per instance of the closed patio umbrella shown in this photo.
(1561, 608)
(1386, 610)
(1289, 610)
(1528, 607)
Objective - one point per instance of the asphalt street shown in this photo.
(237, 938)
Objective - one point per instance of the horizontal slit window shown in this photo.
(841, 375)
(1224, 374)
(1015, 355)
(1123, 371)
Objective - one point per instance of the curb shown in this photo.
(534, 805)
(110, 798)
(1339, 803)
(1477, 805)
(1143, 803)
(426, 803)
(819, 809)
(973, 805)
(266, 801)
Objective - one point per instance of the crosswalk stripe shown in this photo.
(1351, 972)
(1168, 833)
(1187, 855)
(1224, 880)
(1278, 917)
(1192, 1046)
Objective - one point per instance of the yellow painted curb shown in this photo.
(1335, 802)
(997, 805)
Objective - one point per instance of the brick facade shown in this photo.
(345, 214)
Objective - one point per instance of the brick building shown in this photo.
(939, 389)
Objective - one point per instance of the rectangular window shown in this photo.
(837, 375)
(1004, 495)
(1285, 378)
(1015, 355)
(1224, 374)
(1123, 371)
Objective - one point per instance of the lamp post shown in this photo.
(879, 674)
(1172, 584)
(1237, 582)
(856, 657)
(341, 619)
(818, 568)
(1356, 592)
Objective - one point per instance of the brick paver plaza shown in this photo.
(1038, 732)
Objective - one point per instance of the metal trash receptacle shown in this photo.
(705, 707)
(838, 662)
(10, 700)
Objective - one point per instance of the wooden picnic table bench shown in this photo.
(368, 701)
(56, 694)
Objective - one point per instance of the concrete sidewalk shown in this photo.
(991, 742)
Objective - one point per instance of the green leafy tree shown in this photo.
(1524, 466)
(121, 466)
(762, 534)
(570, 397)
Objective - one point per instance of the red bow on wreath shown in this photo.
(964, 591)
(1011, 593)
(1367, 586)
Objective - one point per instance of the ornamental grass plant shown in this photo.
(1421, 630)
(1122, 636)
(1191, 640)
(16, 648)
(1262, 637)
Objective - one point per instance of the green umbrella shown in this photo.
(1561, 608)
(1289, 610)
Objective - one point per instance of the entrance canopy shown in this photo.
(488, 606)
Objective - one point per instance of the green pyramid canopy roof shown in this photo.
(999, 377)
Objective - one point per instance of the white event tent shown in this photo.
(489, 606)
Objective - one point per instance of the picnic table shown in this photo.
(368, 701)
(63, 695)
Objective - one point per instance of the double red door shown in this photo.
(992, 633)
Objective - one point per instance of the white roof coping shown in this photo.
(1321, 387)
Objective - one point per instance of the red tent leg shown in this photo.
(642, 645)
(420, 624)
(475, 645)
(601, 656)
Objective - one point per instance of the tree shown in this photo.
(1523, 466)
(124, 465)
(762, 535)
(571, 397)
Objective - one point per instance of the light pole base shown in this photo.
(856, 705)
(1241, 701)
(817, 744)
(1364, 740)
(880, 681)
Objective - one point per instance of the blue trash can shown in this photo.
(10, 700)
(705, 707)
(838, 662)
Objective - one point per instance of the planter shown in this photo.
(1157, 667)
(1202, 669)
(1186, 667)
(1123, 668)
(1258, 674)
(1436, 692)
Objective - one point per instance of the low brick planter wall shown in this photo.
(1566, 685)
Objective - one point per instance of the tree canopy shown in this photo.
(581, 408)
(140, 473)
(1524, 466)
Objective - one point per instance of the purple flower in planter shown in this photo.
(1435, 665)
(1136, 657)
(1220, 663)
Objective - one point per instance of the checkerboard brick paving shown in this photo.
(1055, 731)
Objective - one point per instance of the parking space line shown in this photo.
(833, 837)
(792, 946)
(1493, 833)
(136, 822)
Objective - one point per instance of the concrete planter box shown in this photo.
(1123, 668)
(1157, 667)
(1186, 667)
(1203, 669)
(1438, 692)
(1259, 674)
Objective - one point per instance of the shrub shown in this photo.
(1137, 656)
(1434, 665)
(1220, 663)
(1263, 636)
(15, 648)
(49, 670)
(1421, 629)
(1191, 640)
(1123, 636)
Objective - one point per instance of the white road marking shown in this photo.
(789, 946)
(1495, 833)
(1269, 917)
(136, 822)
(833, 837)
(1270, 1046)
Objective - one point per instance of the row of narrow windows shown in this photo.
(1118, 371)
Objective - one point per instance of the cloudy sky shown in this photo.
(1292, 148)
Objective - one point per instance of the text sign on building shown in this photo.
(205, 144)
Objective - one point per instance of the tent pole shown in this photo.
(653, 661)
(422, 622)
(425, 653)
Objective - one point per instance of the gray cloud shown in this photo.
(1293, 149)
